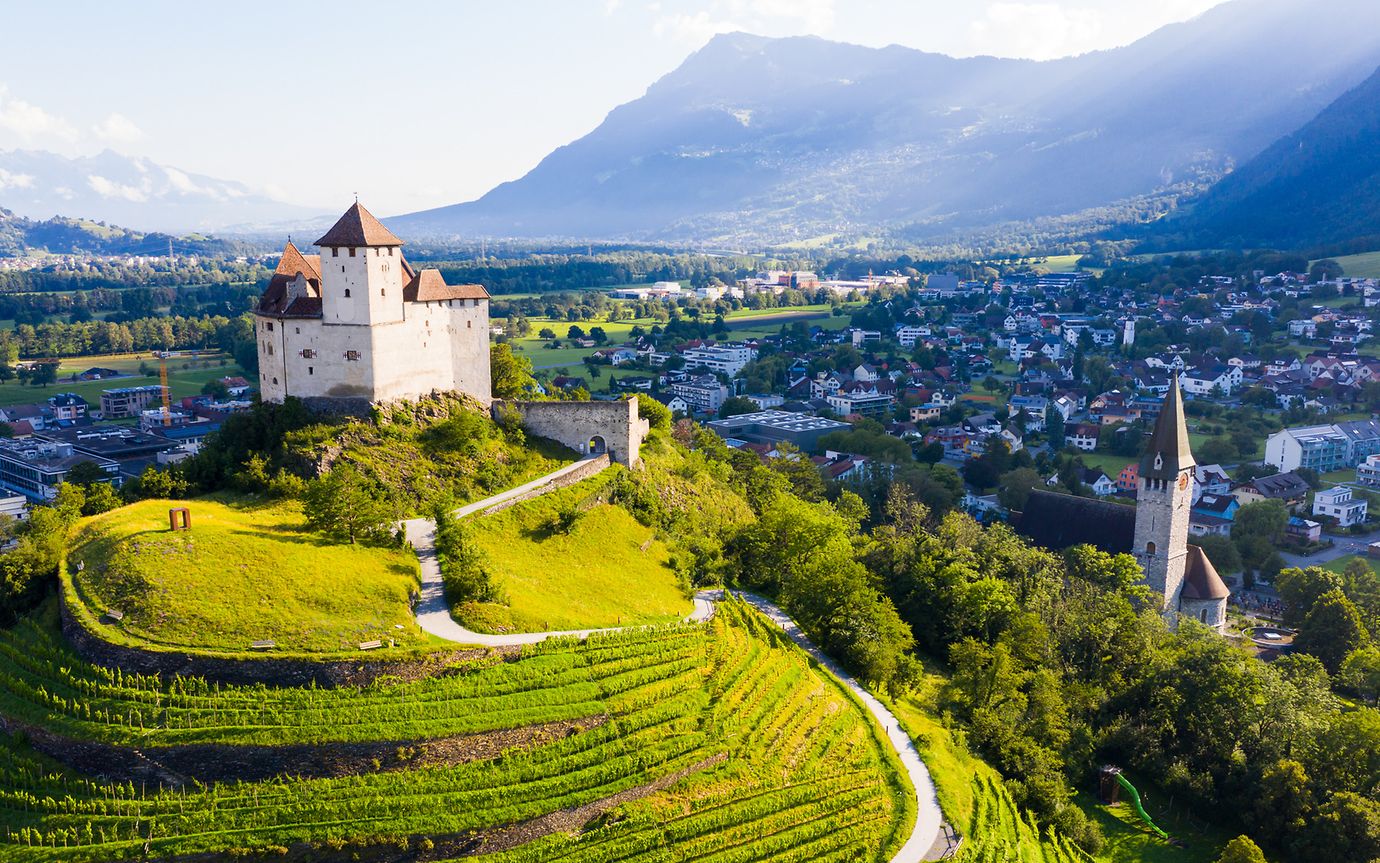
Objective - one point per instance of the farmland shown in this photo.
(186, 376)
(721, 741)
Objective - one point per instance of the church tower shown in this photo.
(1163, 500)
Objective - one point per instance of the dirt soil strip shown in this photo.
(177, 766)
(452, 845)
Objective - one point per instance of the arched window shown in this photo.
(1202, 615)
(1149, 549)
(347, 292)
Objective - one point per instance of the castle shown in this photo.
(357, 324)
(1155, 531)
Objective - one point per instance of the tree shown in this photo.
(510, 373)
(1242, 850)
(216, 389)
(1332, 630)
(737, 405)
(1015, 486)
(43, 374)
(575, 332)
(1302, 588)
(343, 504)
(1360, 672)
(465, 569)
(1221, 552)
(546, 333)
(657, 415)
(85, 473)
(598, 334)
(1257, 529)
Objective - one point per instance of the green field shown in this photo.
(609, 570)
(181, 381)
(244, 572)
(711, 742)
(1365, 265)
(1339, 564)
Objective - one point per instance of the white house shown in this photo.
(1339, 503)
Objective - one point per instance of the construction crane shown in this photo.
(163, 379)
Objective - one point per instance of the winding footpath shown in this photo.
(433, 616)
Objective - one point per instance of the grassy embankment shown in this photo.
(607, 570)
(245, 572)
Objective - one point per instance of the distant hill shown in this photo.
(61, 235)
(1317, 186)
(779, 139)
(131, 191)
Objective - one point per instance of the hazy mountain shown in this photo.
(774, 138)
(1316, 186)
(62, 235)
(119, 189)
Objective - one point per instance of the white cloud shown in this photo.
(1040, 31)
(30, 123)
(764, 17)
(117, 129)
(11, 180)
(108, 189)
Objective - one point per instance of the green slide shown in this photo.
(1140, 810)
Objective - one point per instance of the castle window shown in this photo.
(270, 350)
(275, 380)
(352, 356)
(270, 326)
(383, 292)
(390, 251)
(299, 330)
(335, 251)
(352, 251)
(469, 325)
(1149, 549)
(347, 292)
(310, 370)
(308, 354)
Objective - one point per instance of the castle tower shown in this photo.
(362, 271)
(1164, 497)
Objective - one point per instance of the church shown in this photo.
(357, 325)
(1155, 531)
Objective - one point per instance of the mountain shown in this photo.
(125, 190)
(61, 235)
(774, 139)
(1319, 185)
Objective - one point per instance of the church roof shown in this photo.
(1168, 451)
(358, 227)
(1201, 580)
(429, 286)
(1059, 521)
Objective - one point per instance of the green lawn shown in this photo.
(609, 570)
(245, 571)
(1365, 265)
(1339, 476)
(1339, 565)
(1108, 463)
(181, 381)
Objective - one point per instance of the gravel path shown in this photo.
(433, 615)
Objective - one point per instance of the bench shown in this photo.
(114, 615)
(370, 645)
(263, 644)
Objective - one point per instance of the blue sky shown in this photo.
(418, 104)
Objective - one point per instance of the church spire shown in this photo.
(1168, 451)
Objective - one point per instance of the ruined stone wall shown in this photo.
(578, 424)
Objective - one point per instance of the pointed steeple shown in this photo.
(1168, 451)
(358, 227)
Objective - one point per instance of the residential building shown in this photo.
(1339, 503)
(1303, 530)
(1290, 488)
(68, 407)
(1368, 471)
(129, 401)
(1323, 448)
(703, 394)
(724, 359)
(861, 400)
(1082, 436)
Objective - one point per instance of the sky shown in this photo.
(420, 103)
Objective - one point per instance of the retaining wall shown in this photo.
(577, 424)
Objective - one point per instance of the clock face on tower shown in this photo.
(1183, 481)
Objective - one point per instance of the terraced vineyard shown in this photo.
(1002, 834)
(719, 742)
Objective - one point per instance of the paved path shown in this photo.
(1343, 546)
(433, 615)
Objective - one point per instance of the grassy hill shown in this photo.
(711, 742)
(606, 570)
(245, 571)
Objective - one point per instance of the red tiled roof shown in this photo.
(358, 227)
(292, 264)
(429, 286)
